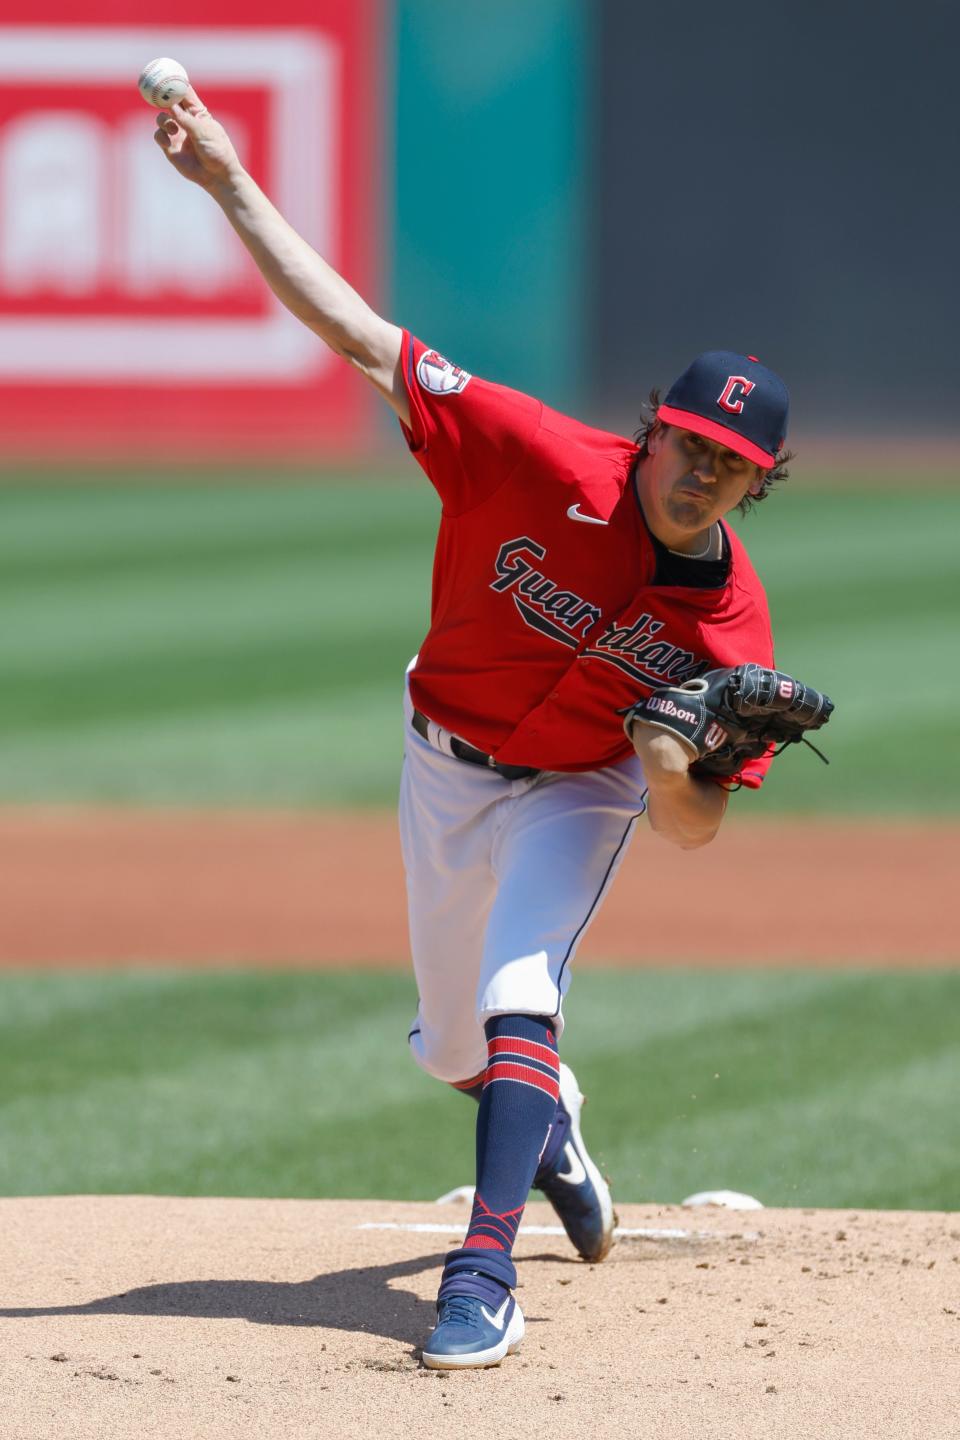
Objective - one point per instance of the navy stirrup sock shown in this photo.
(521, 1088)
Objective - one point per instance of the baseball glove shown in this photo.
(727, 717)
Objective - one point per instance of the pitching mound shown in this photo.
(136, 1316)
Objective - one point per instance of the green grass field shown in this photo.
(245, 643)
(803, 1089)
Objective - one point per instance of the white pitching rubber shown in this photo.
(728, 1199)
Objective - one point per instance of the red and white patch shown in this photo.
(439, 375)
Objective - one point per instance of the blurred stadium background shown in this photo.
(215, 556)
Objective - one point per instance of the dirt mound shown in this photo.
(132, 1316)
(125, 887)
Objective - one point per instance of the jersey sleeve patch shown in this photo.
(439, 375)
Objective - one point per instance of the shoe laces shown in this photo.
(461, 1309)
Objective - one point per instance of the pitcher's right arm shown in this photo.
(199, 149)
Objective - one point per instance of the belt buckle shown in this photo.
(512, 773)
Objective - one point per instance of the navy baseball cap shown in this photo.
(733, 399)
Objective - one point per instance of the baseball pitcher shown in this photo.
(599, 649)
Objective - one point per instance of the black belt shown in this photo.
(469, 753)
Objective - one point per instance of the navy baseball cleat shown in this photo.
(571, 1181)
(470, 1335)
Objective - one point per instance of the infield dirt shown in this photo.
(118, 887)
(131, 1316)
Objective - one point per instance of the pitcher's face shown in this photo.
(689, 481)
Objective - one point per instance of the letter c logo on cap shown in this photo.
(726, 398)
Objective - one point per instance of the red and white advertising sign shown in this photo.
(132, 321)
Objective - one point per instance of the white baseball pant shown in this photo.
(503, 878)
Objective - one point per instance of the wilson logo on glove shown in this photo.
(664, 706)
(714, 737)
(727, 717)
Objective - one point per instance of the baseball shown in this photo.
(162, 82)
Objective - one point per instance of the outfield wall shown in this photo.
(569, 198)
(132, 321)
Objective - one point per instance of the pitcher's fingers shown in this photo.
(190, 121)
(191, 105)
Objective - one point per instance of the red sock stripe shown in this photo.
(509, 1058)
(487, 1232)
(525, 1074)
(490, 1231)
(484, 1209)
(468, 1084)
(504, 1044)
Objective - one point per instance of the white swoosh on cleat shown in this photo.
(574, 514)
(499, 1320)
(576, 1174)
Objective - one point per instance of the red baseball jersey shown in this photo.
(544, 619)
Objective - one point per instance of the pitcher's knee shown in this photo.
(457, 1062)
(488, 1012)
(532, 983)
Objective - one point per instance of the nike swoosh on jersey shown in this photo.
(500, 1319)
(576, 1174)
(574, 514)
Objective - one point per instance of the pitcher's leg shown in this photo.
(554, 860)
(446, 825)
(477, 1317)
